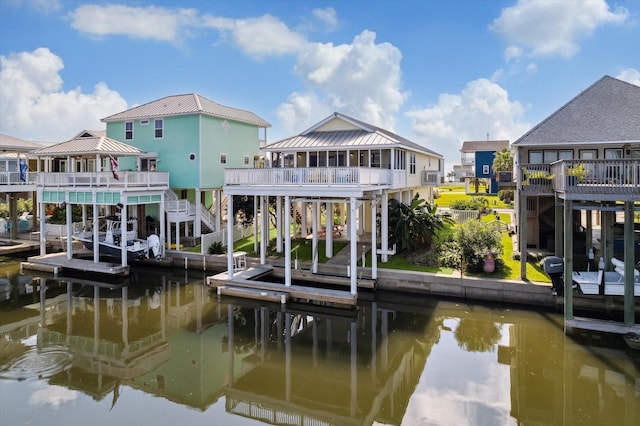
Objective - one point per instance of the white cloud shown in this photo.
(553, 28)
(362, 79)
(35, 107)
(482, 108)
(153, 23)
(328, 16)
(52, 395)
(630, 75)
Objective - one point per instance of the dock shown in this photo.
(56, 262)
(10, 247)
(246, 284)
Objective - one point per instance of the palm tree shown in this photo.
(502, 161)
(451, 175)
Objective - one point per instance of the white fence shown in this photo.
(463, 215)
(239, 232)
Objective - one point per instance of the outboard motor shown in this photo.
(554, 267)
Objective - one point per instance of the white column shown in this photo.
(43, 232)
(162, 224)
(256, 240)
(384, 224)
(178, 234)
(230, 238)
(264, 230)
(314, 237)
(303, 223)
(69, 227)
(96, 236)
(124, 216)
(287, 241)
(218, 216)
(374, 241)
(329, 235)
(279, 232)
(197, 226)
(353, 245)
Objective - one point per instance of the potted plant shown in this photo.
(537, 177)
(576, 174)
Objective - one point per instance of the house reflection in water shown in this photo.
(170, 336)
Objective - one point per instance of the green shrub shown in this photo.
(505, 195)
(217, 248)
(449, 254)
(475, 239)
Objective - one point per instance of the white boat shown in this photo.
(110, 241)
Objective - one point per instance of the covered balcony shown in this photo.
(586, 180)
(84, 180)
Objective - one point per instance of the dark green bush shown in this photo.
(217, 248)
(475, 239)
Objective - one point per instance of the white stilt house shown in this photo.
(350, 168)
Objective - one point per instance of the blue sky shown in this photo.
(435, 72)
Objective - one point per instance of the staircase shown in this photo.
(183, 210)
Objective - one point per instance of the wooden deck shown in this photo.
(56, 262)
(246, 284)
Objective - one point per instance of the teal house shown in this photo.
(194, 139)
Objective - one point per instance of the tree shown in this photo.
(412, 225)
(451, 175)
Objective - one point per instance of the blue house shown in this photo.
(479, 155)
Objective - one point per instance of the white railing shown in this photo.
(597, 176)
(463, 215)
(239, 232)
(207, 217)
(103, 179)
(326, 176)
(13, 178)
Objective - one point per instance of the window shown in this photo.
(412, 164)
(144, 122)
(363, 159)
(158, 125)
(550, 156)
(128, 130)
(246, 160)
(613, 154)
(148, 164)
(375, 159)
(313, 159)
(535, 157)
(485, 169)
(588, 154)
(565, 154)
(223, 158)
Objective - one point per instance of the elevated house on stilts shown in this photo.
(577, 169)
(350, 168)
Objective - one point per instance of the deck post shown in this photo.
(69, 208)
(43, 228)
(95, 230)
(230, 268)
(374, 242)
(353, 245)
(287, 240)
(279, 233)
(197, 224)
(162, 224)
(124, 217)
(314, 237)
(384, 224)
(328, 246)
(264, 227)
(558, 222)
(522, 234)
(629, 263)
(568, 260)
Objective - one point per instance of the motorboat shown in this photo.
(110, 241)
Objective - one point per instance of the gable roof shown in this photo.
(188, 104)
(10, 143)
(475, 146)
(340, 131)
(86, 144)
(606, 112)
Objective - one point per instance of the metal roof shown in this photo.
(186, 105)
(9, 143)
(366, 136)
(88, 146)
(606, 112)
(475, 146)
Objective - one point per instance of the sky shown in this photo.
(435, 72)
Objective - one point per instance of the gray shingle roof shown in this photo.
(186, 105)
(366, 136)
(88, 146)
(608, 111)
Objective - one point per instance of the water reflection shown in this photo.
(396, 360)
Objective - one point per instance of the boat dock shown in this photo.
(57, 262)
(246, 284)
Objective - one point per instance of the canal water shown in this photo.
(163, 350)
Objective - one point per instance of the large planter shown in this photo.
(505, 176)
